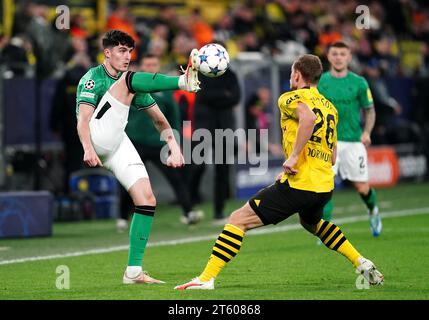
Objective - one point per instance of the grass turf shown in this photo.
(284, 265)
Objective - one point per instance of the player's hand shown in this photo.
(365, 138)
(175, 159)
(288, 165)
(91, 158)
(279, 176)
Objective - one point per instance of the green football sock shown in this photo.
(141, 226)
(370, 199)
(150, 82)
(327, 210)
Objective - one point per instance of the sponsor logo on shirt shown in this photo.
(87, 95)
(295, 97)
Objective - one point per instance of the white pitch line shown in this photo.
(391, 214)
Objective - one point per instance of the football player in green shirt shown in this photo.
(103, 99)
(350, 94)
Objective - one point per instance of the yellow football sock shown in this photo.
(226, 247)
(334, 239)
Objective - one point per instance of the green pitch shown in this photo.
(284, 264)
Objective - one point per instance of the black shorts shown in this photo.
(279, 201)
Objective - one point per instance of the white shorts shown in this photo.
(112, 145)
(352, 161)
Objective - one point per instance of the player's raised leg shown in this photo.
(226, 247)
(149, 82)
(146, 82)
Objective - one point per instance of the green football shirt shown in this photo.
(349, 95)
(97, 81)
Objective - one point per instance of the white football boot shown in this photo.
(368, 269)
(142, 277)
(196, 284)
(191, 82)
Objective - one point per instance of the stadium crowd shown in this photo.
(396, 42)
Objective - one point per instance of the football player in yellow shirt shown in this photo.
(309, 123)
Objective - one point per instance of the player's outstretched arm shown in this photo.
(306, 119)
(163, 126)
(90, 156)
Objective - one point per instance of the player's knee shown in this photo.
(362, 188)
(236, 219)
(149, 199)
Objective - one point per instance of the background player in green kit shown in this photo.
(104, 96)
(350, 94)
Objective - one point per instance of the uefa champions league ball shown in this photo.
(213, 60)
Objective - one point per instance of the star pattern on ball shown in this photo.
(221, 54)
(203, 58)
(215, 70)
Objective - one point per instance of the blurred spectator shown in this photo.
(182, 45)
(122, 19)
(258, 117)
(158, 43)
(389, 127)
(202, 32)
(17, 55)
(40, 33)
(224, 29)
(214, 110)
(169, 17)
(249, 42)
(328, 35)
(244, 19)
(77, 29)
(412, 57)
(384, 58)
(63, 119)
(257, 107)
(186, 103)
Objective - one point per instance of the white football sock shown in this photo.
(133, 271)
(182, 83)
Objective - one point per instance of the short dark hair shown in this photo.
(310, 67)
(339, 44)
(115, 38)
